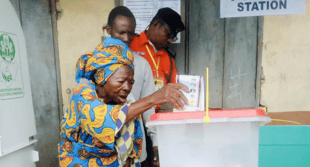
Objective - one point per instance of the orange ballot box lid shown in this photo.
(232, 113)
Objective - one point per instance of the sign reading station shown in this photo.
(243, 8)
(11, 82)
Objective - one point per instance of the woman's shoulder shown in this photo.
(85, 89)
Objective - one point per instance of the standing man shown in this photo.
(151, 44)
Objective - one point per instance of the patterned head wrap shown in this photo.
(107, 58)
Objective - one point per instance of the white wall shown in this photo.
(285, 62)
(79, 31)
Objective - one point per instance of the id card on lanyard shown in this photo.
(158, 81)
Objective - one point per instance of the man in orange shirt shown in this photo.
(151, 44)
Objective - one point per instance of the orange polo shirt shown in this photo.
(139, 44)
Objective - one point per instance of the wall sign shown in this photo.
(243, 8)
(11, 82)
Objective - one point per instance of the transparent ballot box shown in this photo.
(230, 139)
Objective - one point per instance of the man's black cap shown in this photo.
(171, 18)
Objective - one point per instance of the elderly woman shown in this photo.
(100, 128)
(94, 131)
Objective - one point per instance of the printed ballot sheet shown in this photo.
(192, 83)
(196, 95)
(145, 10)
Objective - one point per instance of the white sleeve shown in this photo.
(148, 89)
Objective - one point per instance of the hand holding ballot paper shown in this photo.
(192, 98)
(171, 93)
(195, 96)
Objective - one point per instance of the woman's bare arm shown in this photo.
(169, 93)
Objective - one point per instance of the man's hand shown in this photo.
(155, 158)
(171, 93)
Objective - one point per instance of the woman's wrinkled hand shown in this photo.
(171, 93)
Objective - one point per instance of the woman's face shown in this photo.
(117, 87)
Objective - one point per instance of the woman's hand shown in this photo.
(170, 93)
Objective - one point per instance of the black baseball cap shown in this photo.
(171, 18)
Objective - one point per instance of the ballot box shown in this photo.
(230, 139)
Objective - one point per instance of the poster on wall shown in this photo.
(11, 82)
(145, 10)
(244, 8)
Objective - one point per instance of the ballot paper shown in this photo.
(195, 97)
